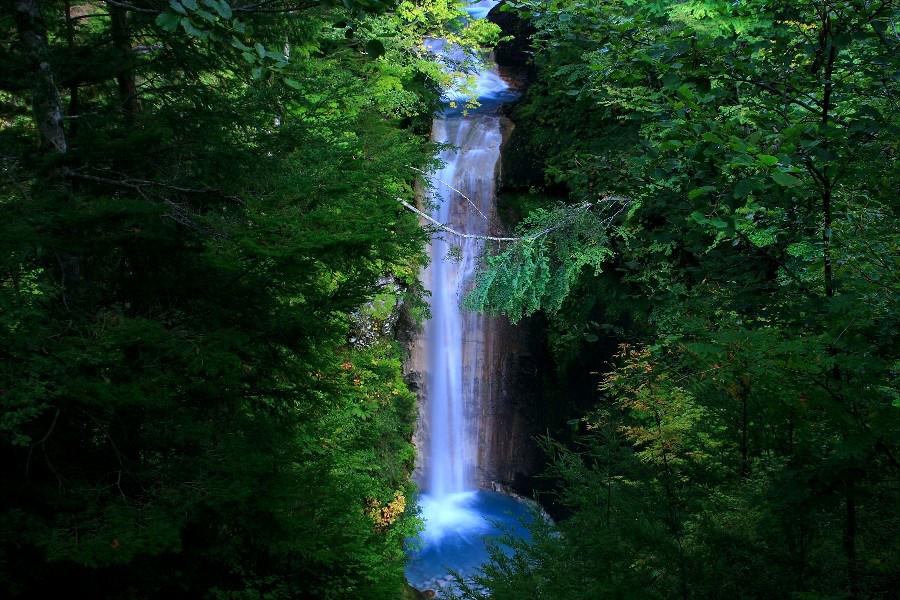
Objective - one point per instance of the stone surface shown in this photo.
(517, 51)
(500, 366)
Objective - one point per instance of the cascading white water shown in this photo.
(454, 350)
(455, 346)
(454, 338)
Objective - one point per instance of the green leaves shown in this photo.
(168, 21)
(220, 6)
(537, 272)
(717, 222)
(375, 48)
(191, 30)
(701, 191)
(767, 160)
(218, 27)
(785, 179)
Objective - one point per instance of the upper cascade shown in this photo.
(480, 10)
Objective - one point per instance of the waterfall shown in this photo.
(458, 349)
(454, 346)
(454, 338)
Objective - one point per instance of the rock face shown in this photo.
(508, 384)
(520, 171)
(516, 52)
(506, 446)
(499, 381)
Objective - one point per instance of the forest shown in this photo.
(210, 272)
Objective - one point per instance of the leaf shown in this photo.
(671, 81)
(206, 15)
(785, 179)
(699, 217)
(220, 6)
(744, 187)
(686, 92)
(293, 83)
(741, 160)
(189, 4)
(276, 56)
(701, 191)
(191, 30)
(177, 7)
(236, 43)
(168, 21)
(375, 48)
(767, 160)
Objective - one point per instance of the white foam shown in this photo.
(451, 514)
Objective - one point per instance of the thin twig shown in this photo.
(135, 184)
(450, 230)
(434, 177)
(41, 442)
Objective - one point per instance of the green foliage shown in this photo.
(181, 410)
(539, 270)
(743, 442)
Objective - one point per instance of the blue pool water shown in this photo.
(457, 529)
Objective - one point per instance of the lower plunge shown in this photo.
(458, 529)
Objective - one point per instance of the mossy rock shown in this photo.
(411, 593)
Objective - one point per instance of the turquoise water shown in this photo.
(457, 529)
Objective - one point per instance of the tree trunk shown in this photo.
(850, 537)
(74, 94)
(125, 77)
(829, 51)
(45, 102)
(745, 462)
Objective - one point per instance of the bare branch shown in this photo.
(432, 176)
(132, 8)
(450, 230)
(583, 207)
